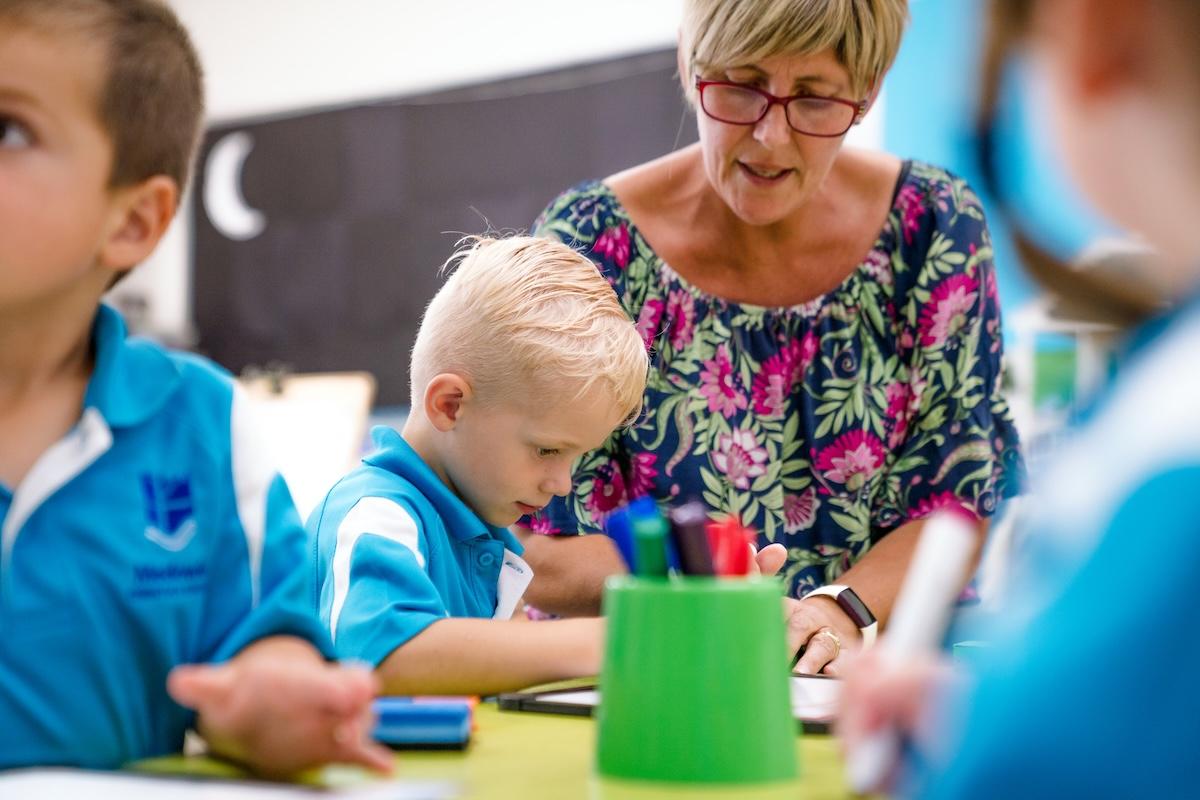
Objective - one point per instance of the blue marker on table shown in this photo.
(422, 724)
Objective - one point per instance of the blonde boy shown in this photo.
(140, 531)
(524, 361)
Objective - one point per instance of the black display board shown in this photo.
(363, 204)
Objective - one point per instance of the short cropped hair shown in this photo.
(863, 34)
(527, 317)
(151, 102)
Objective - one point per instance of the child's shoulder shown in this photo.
(135, 379)
(391, 483)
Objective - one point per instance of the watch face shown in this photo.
(855, 608)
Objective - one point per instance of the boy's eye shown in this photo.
(13, 134)
(546, 452)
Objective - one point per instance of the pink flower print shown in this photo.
(649, 319)
(879, 266)
(642, 474)
(851, 459)
(608, 491)
(990, 290)
(540, 523)
(739, 457)
(779, 375)
(681, 316)
(800, 510)
(946, 312)
(904, 400)
(897, 411)
(912, 207)
(613, 245)
(718, 385)
(940, 501)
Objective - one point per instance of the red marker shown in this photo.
(729, 543)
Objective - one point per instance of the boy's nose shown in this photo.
(558, 482)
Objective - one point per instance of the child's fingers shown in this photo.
(346, 690)
(356, 746)
(770, 559)
(194, 685)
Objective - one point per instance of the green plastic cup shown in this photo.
(695, 682)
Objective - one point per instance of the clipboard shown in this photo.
(814, 701)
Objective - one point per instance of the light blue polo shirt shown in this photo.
(1094, 695)
(396, 550)
(153, 534)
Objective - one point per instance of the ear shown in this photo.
(1098, 41)
(141, 214)
(445, 398)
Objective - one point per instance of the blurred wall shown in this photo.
(268, 58)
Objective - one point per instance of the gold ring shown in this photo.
(837, 642)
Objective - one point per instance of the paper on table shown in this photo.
(812, 698)
(54, 784)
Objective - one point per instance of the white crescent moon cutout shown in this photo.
(223, 200)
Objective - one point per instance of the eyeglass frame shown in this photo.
(859, 106)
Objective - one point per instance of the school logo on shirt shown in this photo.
(170, 523)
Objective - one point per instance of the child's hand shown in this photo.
(879, 693)
(280, 708)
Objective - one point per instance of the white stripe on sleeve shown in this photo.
(253, 473)
(373, 515)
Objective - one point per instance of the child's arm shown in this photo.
(280, 708)
(485, 656)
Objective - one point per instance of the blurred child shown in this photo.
(1092, 694)
(140, 528)
(524, 362)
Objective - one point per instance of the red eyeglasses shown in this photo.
(741, 104)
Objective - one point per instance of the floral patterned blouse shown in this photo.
(823, 425)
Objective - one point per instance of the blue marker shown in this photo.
(619, 528)
(422, 724)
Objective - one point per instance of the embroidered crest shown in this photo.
(170, 523)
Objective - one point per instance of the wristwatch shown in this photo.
(849, 601)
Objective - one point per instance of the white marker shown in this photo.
(918, 623)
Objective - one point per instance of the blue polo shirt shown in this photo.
(396, 550)
(1094, 695)
(153, 534)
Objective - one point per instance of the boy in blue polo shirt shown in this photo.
(139, 528)
(524, 362)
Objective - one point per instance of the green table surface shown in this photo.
(515, 754)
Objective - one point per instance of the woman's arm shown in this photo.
(485, 656)
(568, 571)
(876, 579)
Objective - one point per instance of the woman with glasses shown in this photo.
(823, 322)
(1095, 694)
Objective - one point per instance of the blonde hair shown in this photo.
(863, 34)
(524, 314)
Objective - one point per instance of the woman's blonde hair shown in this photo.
(524, 317)
(863, 34)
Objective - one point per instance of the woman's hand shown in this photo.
(880, 693)
(830, 638)
(826, 633)
(279, 708)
